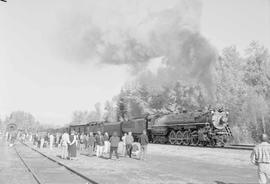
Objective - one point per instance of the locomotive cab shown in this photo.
(136, 126)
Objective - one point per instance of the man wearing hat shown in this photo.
(260, 157)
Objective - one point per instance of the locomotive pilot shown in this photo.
(260, 157)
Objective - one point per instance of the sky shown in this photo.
(40, 74)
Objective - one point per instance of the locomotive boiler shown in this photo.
(191, 128)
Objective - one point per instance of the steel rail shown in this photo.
(236, 147)
(63, 165)
(27, 167)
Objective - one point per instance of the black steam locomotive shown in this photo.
(186, 128)
(191, 128)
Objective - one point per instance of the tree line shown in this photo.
(25, 121)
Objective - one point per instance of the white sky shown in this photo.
(236, 22)
(35, 79)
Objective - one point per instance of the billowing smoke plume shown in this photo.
(135, 33)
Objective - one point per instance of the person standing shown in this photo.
(91, 143)
(51, 141)
(123, 148)
(129, 141)
(7, 136)
(38, 141)
(260, 157)
(106, 143)
(57, 138)
(12, 138)
(99, 143)
(114, 140)
(77, 137)
(35, 140)
(64, 145)
(46, 140)
(30, 137)
(42, 140)
(85, 141)
(72, 145)
(144, 142)
(23, 137)
(81, 138)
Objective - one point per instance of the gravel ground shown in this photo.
(217, 155)
(167, 164)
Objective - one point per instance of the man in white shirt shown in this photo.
(51, 137)
(260, 157)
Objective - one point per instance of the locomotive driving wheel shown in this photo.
(180, 137)
(162, 139)
(187, 138)
(172, 137)
(155, 139)
(194, 138)
(159, 139)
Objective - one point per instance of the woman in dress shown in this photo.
(42, 140)
(72, 146)
(91, 143)
(81, 138)
(122, 146)
(106, 144)
(64, 145)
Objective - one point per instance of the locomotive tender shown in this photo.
(186, 128)
(135, 125)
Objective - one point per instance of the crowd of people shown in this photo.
(14, 136)
(102, 145)
(99, 144)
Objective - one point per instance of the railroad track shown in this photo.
(45, 169)
(240, 146)
(231, 146)
(37, 179)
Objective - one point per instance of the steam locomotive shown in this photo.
(192, 128)
(186, 128)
